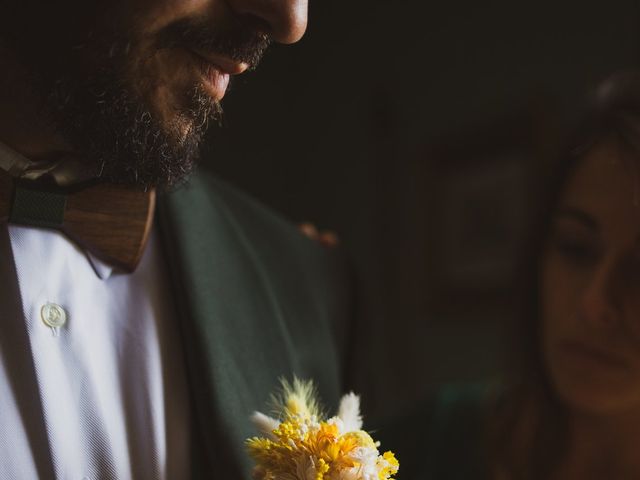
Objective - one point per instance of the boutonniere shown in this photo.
(302, 444)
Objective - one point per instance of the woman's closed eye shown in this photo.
(576, 250)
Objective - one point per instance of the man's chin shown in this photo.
(189, 120)
(127, 138)
(184, 130)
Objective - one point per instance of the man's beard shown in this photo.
(114, 130)
(117, 136)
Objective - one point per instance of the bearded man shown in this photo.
(137, 340)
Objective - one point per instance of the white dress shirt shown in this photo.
(96, 354)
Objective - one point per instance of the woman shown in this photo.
(571, 409)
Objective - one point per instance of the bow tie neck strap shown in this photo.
(111, 222)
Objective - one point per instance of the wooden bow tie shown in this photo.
(109, 221)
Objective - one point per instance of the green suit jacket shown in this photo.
(256, 301)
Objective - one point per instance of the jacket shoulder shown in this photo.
(274, 238)
(220, 230)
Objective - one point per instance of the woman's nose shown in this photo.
(286, 20)
(599, 303)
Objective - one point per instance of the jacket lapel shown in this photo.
(238, 336)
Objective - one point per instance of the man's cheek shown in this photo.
(164, 80)
(152, 16)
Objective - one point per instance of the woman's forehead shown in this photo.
(605, 185)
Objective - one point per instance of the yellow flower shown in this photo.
(391, 468)
(304, 447)
(322, 468)
(361, 439)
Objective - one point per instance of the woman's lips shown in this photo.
(592, 356)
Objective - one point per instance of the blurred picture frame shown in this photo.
(480, 200)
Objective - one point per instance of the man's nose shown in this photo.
(286, 20)
(600, 304)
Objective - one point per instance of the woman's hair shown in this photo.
(528, 431)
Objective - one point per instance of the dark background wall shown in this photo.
(406, 126)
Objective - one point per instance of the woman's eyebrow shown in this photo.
(578, 215)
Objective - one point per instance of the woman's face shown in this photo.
(590, 292)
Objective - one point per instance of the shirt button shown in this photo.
(53, 315)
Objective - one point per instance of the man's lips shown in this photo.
(215, 82)
(216, 71)
(224, 64)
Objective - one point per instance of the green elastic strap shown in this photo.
(37, 208)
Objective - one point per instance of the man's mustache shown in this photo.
(239, 43)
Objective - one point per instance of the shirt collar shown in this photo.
(19, 166)
(12, 162)
(65, 170)
(103, 270)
